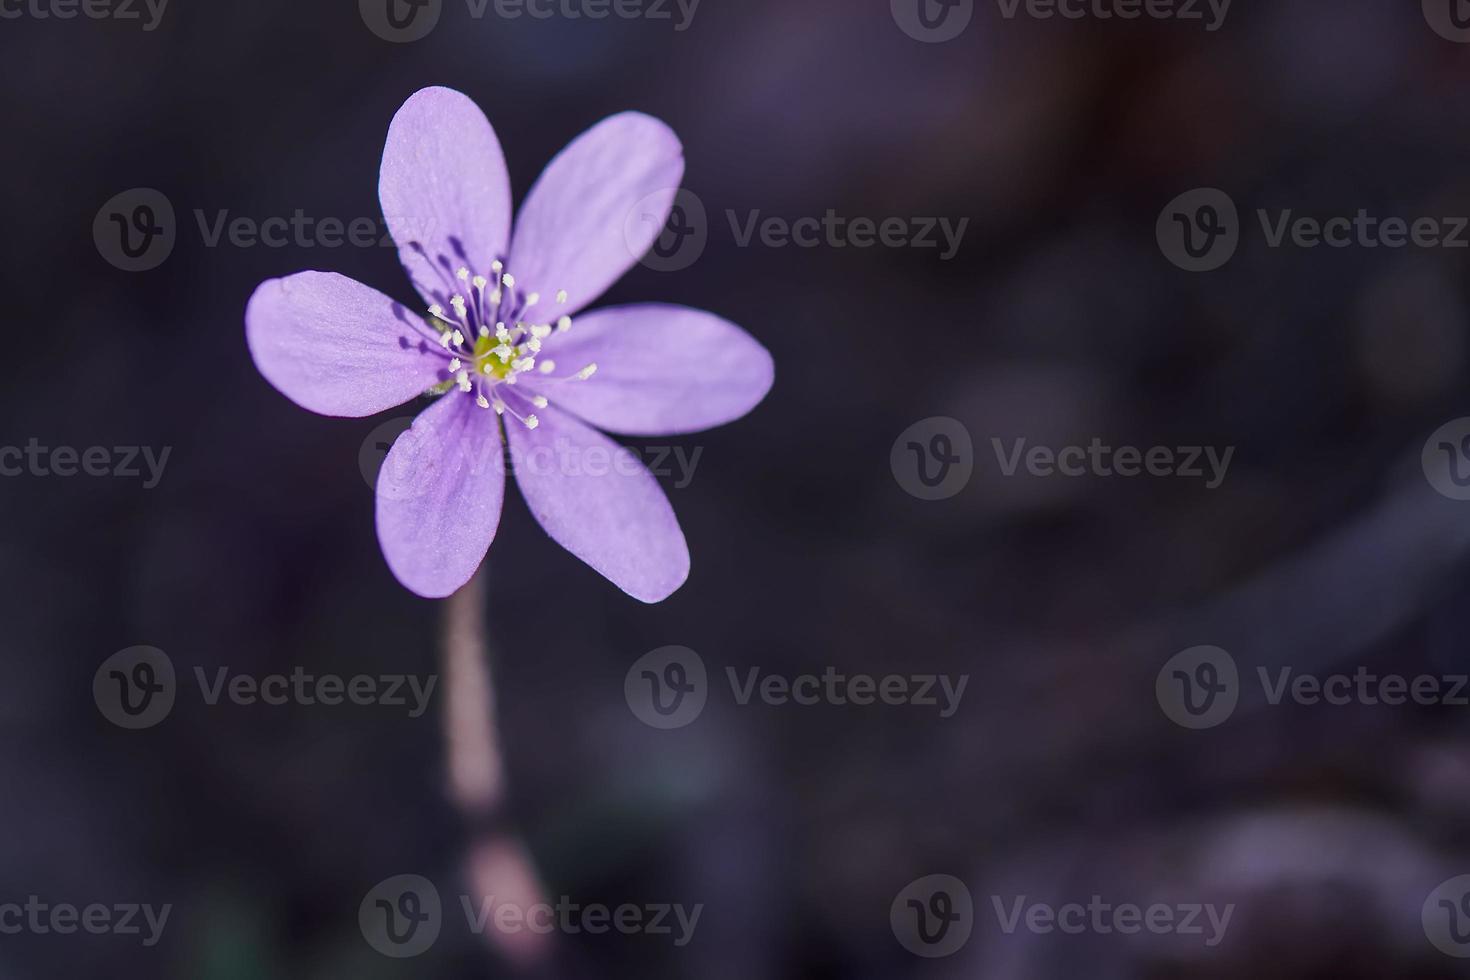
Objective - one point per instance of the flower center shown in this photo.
(490, 338)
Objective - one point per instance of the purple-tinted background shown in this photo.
(1059, 320)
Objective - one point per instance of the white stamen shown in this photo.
(436, 311)
(564, 324)
(499, 407)
(462, 274)
(454, 365)
(561, 296)
(539, 401)
(524, 364)
(496, 266)
(484, 330)
(458, 338)
(480, 282)
(533, 345)
(444, 340)
(541, 330)
(504, 352)
(482, 401)
(587, 372)
(508, 280)
(547, 366)
(531, 421)
(502, 334)
(532, 300)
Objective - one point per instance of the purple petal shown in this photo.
(337, 347)
(661, 370)
(439, 496)
(597, 500)
(597, 208)
(444, 190)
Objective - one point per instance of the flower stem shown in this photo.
(499, 865)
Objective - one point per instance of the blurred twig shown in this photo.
(499, 865)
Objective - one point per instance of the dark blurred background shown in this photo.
(1059, 320)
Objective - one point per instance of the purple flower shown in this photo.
(504, 351)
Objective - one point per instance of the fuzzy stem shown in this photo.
(499, 865)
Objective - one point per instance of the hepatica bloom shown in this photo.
(503, 349)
